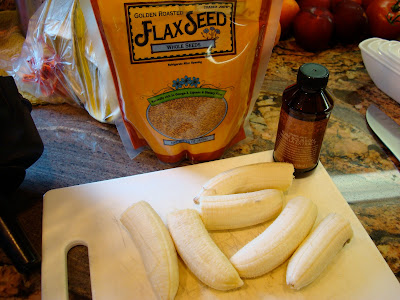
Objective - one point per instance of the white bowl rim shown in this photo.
(385, 52)
(374, 54)
(394, 49)
(366, 42)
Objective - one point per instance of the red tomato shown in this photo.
(384, 18)
(366, 3)
(351, 23)
(314, 3)
(334, 2)
(313, 28)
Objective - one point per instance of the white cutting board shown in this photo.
(89, 215)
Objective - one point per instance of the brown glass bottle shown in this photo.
(305, 112)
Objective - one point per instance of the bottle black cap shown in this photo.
(313, 76)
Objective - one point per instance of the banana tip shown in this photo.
(293, 286)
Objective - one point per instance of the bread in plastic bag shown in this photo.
(62, 60)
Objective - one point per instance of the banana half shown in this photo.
(200, 253)
(279, 241)
(156, 247)
(318, 250)
(249, 178)
(220, 212)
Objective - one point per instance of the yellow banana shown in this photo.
(240, 210)
(249, 178)
(156, 247)
(278, 242)
(318, 250)
(199, 252)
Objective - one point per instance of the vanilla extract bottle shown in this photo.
(305, 112)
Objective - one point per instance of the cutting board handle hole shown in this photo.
(79, 286)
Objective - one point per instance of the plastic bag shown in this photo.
(187, 73)
(61, 61)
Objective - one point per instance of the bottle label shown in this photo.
(299, 142)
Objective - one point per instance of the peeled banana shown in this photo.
(278, 242)
(156, 247)
(318, 250)
(249, 178)
(199, 252)
(240, 210)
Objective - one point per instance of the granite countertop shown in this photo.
(80, 150)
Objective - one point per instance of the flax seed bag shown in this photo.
(187, 73)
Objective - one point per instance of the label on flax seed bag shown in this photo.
(179, 30)
(187, 73)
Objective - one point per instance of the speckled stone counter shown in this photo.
(80, 150)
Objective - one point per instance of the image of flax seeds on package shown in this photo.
(188, 110)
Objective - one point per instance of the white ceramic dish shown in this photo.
(394, 50)
(386, 56)
(384, 74)
(376, 47)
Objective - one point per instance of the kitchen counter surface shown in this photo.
(80, 150)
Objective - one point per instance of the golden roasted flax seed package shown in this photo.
(187, 73)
